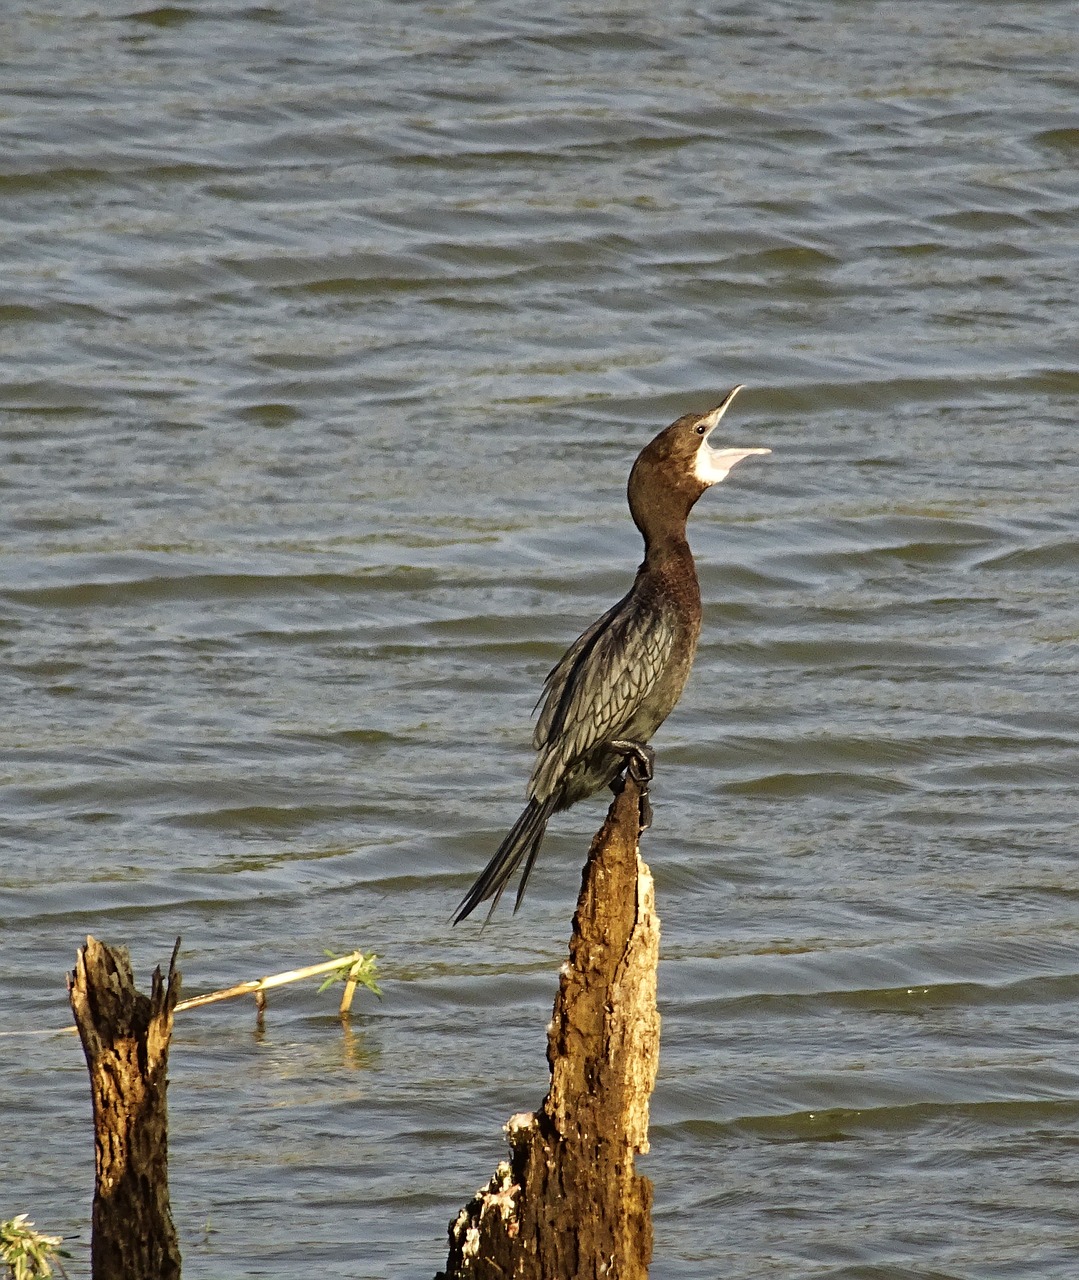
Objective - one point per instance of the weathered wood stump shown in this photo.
(568, 1204)
(125, 1037)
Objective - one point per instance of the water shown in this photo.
(328, 335)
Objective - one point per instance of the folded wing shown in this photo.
(592, 695)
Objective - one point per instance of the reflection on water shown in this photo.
(327, 338)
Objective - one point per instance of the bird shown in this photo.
(621, 678)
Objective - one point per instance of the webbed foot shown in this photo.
(640, 760)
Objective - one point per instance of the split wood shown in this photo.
(569, 1204)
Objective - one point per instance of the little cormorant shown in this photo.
(620, 680)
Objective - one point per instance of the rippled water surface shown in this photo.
(328, 333)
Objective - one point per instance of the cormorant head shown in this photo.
(679, 464)
(710, 466)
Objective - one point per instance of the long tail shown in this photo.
(523, 841)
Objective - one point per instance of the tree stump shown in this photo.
(125, 1037)
(568, 1204)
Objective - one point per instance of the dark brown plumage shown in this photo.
(620, 680)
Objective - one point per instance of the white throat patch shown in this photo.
(713, 465)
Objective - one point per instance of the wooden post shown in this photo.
(568, 1204)
(125, 1037)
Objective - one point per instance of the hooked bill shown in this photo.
(713, 465)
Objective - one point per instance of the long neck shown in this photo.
(663, 528)
(669, 570)
(668, 547)
(660, 506)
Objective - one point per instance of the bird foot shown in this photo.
(640, 761)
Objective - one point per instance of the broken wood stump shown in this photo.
(125, 1036)
(568, 1204)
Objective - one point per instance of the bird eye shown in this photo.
(701, 429)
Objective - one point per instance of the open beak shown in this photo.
(713, 465)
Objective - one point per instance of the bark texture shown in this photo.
(125, 1037)
(568, 1204)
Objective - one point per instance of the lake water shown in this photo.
(328, 334)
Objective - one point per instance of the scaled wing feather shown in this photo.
(594, 692)
(558, 684)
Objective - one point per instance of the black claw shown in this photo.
(640, 761)
(643, 766)
(646, 811)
